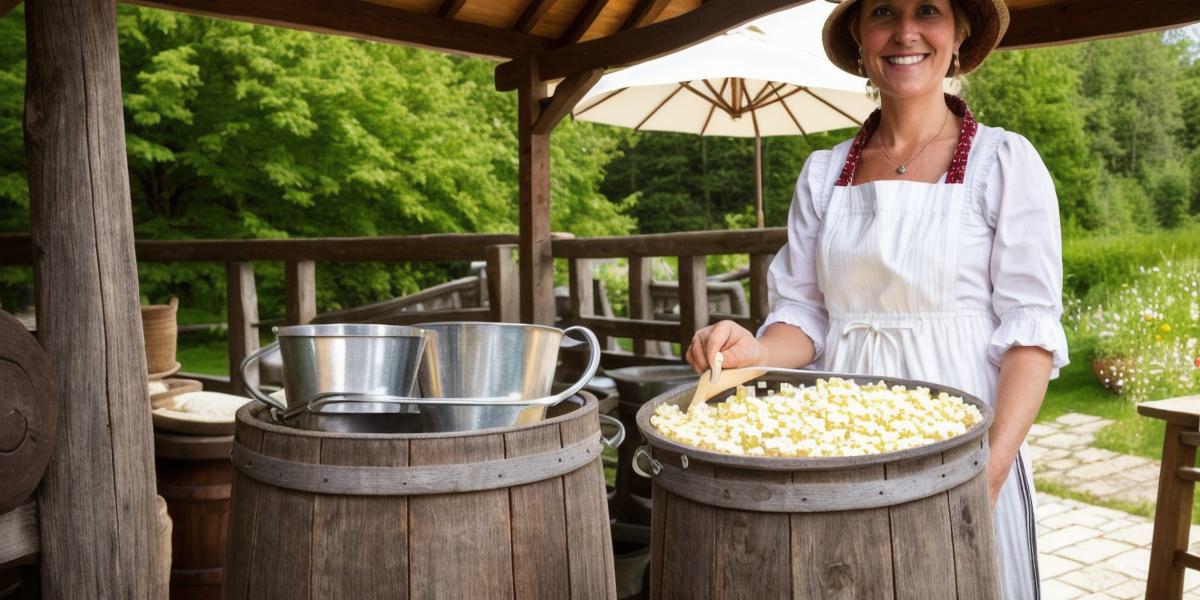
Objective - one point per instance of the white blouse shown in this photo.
(1008, 249)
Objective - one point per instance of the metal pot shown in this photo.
(320, 360)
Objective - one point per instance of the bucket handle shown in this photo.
(618, 437)
(253, 390)
(321, 400)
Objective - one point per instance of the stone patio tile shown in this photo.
(1097, 596)
(1108, 513)
(1063, 440)
(1078, 516)
(1094, 578)
(1126, 461)
(1077, 419)
(1058, 590)
(1038, 430)
(1090, 552)
(1066, 537)
(1046, 510)
(1096, 454)
(1132, 588)
(1115, 525)
(1051, 566)
(1102, 488)
(1096, 470)
(1063, 464)
(1092, 427)
(1133, 563)
(1146, 474)
(1139, 534)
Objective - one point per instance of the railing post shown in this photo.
(759, 303)
(300, 283)
(243, 317)
(583, 302)
(640, 304)
(503, 283)
(693, 298)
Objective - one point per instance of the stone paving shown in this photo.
(1085, 551)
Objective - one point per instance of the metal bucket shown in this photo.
(324, 360)
(495, 366)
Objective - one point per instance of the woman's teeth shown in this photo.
(906, 60)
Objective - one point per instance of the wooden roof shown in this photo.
(573, 35)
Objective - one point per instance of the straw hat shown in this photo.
(988, 18)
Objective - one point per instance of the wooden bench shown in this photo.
(1169, 554)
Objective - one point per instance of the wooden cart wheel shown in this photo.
(29, 406)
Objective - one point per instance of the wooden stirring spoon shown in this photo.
(717, 380)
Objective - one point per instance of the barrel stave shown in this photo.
(350, 560)
(975, 564)
(752, 547)
(534, 506)
(689, 548)
(922, 549)
(590, 539)
(837, 555)
(281, 529)
(243, 515)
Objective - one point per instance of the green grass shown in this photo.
(207, 352)
(1076, 390)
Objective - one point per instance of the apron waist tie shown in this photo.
(879, 337)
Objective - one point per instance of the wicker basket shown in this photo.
(159, 331)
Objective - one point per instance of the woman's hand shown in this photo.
(738, 346)
(997, 474)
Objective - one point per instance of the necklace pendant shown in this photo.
(900, 170)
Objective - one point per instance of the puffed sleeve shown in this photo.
(1026, 262)
(792, 288)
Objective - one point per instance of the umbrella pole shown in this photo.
(758, 182)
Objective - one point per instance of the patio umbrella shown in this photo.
(770, 78)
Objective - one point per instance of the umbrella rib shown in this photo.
(838, 110)
(660, 105)
(711, 110)
(720, 96)
(789, 113)
(781, 98)
(688, 86)
(753, 115)
(766, 90)
(598, 102)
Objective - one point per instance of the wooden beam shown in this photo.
(97, 514)
(242, 296)
(6, 6)
(644, 13)
(737, 241)
(693, 297)
(641, 304)
(583, 21)
(533, 150)
(1079, 20)
(450, 8)
(566, 96)
(503, 288)
(368, 21)
(533, 13)
(644, 43)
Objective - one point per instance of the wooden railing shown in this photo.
(301, 255)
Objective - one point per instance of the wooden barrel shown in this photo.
(911, 524)
(500, 513)
(194, 477)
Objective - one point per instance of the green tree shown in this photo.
(1035, 93)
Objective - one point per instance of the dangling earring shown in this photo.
(872, 91)
(957, 77)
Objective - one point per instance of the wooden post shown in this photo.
(1172, 516)
(641, 306)
(760, 304)
(537, 260)
(97, 520)
(503, 290)
(583, 303)
(693, 297)
(300, 281)
(243, 316)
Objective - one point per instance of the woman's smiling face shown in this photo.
(907, 45)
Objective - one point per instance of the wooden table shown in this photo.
(1177, 479)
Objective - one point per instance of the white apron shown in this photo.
(886, 265)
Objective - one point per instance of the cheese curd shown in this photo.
(835, 417)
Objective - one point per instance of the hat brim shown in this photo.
(988, 18)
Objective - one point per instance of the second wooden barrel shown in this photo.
(194, 477)
(501, 513)
(914, 524)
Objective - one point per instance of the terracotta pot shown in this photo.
(1111, 372)
(159, 331)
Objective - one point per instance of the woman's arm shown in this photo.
(1024, 375)
(781, 345)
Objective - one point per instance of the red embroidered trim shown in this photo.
(958, 163)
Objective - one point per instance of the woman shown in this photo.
(927, 247)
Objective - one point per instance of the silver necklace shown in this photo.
(902, 168)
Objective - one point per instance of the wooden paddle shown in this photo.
(712, 383)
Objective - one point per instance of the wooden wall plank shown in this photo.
(98, 518)
(539, 522)
(350, 561)
(459, 544)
